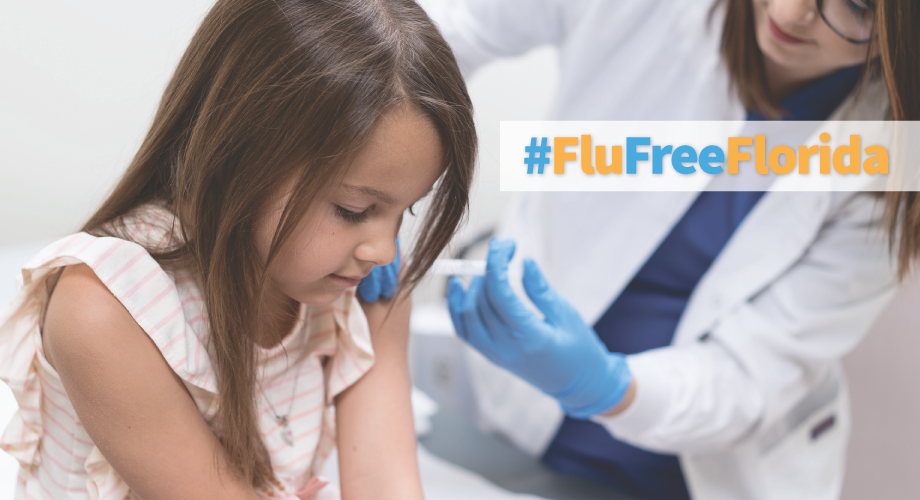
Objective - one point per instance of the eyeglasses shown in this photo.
(851, 19)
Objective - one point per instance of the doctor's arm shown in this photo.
(757, 362)
(762, 358)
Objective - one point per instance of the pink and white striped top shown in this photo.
(328, 350)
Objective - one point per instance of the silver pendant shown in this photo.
(286, 435)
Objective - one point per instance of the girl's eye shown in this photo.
(350, 216)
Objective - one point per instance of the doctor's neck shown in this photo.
(784, 81)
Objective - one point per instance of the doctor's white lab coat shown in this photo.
(750, 394)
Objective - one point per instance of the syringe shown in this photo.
(458, 267)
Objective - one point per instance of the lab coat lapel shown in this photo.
(770, 240)
(776, 233)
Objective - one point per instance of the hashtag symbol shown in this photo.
(536, 155)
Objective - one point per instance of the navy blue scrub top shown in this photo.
(646, 314)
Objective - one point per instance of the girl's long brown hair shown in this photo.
(270, 90)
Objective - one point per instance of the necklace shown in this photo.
(286, 435)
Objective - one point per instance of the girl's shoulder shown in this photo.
(165, 303)
(82, 319)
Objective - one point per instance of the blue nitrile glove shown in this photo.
(382, 281)
(560, 355)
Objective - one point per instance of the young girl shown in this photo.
(200, 338)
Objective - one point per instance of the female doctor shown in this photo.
(689, 344)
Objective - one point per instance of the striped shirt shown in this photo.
(328, 350)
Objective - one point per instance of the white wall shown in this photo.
(884, 450)
(80, 84)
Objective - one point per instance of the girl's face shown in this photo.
(354, 226)
(793, 36)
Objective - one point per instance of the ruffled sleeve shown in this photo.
(145, 289)
(354, 354)
(104, 482)
(20, 342)
(344, 337)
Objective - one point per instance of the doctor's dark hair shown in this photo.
(269, 91)
(899, 51)
(894, 52)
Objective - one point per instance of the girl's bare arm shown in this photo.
(376, 435)
(132, 404)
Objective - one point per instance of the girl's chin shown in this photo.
(324, 298)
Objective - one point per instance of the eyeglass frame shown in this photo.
(820, 5)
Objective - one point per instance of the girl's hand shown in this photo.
(382, 281)
(376, 435)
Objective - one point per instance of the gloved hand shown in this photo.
(382, 281)
(560, 354)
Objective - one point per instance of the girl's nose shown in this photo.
(381, 250)
(793, 11)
